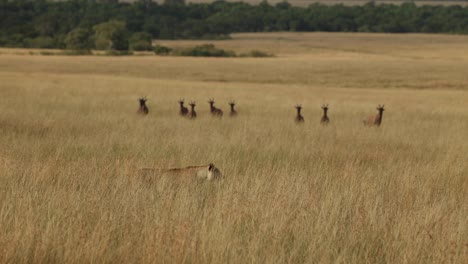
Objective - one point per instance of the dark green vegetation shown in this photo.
(206, 50)
(110, 25)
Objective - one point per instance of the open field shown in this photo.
(71, 145)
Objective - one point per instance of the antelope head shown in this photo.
(142, 100)
(380, 108)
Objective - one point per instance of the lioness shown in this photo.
(206, 172)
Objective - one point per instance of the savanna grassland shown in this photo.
(71, 145)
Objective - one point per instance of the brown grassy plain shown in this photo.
(71, 144)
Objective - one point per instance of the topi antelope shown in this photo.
(205, 172)
(143, 109)
(299, 118)
(215, 111)
(183, 110)
(233, 112)
(325, 120)
(377, 119)
(192, 114)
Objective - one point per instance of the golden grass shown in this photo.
(71, 144)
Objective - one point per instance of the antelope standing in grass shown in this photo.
(192, 114)
(143, 109)
(215, 111)
(183, 110)
(325, 120)
(233, 112)
(299, 118)
(377, 119)
(205, 172)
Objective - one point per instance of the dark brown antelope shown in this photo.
(143, 109)
(192, 114)
(377, 119)
(325, 120)
(299, 117)
(233, 112)
(183, 110)
(215, 111)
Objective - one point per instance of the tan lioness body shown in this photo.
(206, 172)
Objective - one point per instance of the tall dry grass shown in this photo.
(71, 144)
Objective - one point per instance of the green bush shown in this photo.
(40, 43)
(111, 35)
(140, 41)
(77, 52)
(47, 53)
(118, 53)
(162, 50)
(79, 39)
(256, 54)
(140, 46)
(206, 50)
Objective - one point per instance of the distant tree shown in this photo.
(111, 35)
(162, 50)
(174, 2)
(168, 26)
(40, 43)
(108, 1)
(46, 23)
(152, 26)
(78, 39)
(206, 50)
(283, 5)
(140, 41)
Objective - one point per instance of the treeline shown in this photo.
(109, 24)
